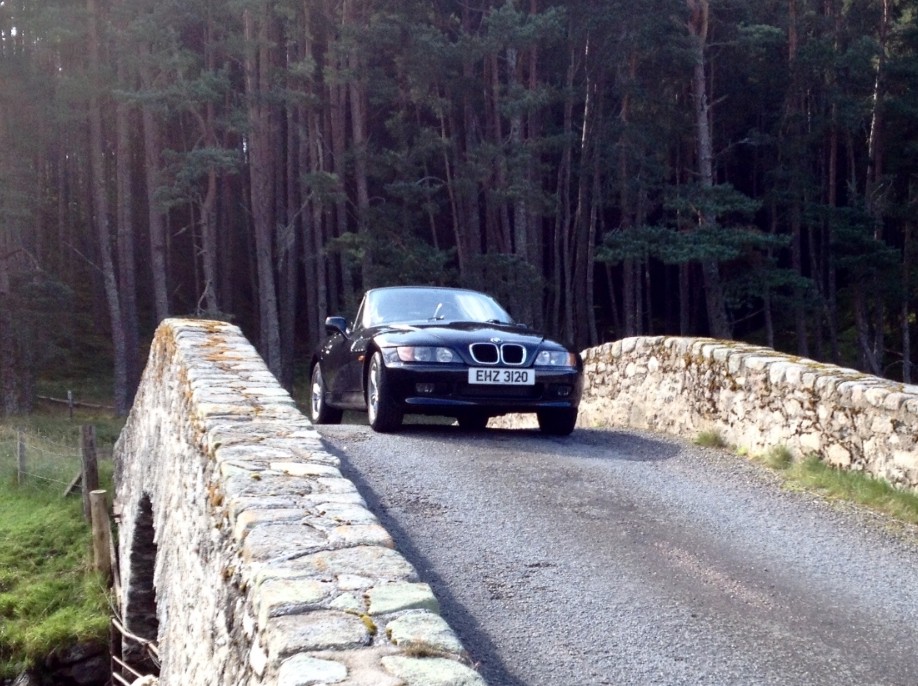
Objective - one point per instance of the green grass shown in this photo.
(814, 475)
(49, 595)
(779, 457)
(710, 439)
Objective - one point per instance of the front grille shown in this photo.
(512, 353)
(484, 353)
(489, 353)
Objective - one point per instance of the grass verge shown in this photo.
(50, 598)
(49, 595)
(814, 475)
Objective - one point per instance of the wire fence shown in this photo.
(31, 460)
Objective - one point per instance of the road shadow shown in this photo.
(602, 444)
(482, 651)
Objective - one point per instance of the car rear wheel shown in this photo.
(557, 422)
(473, 421)
(319, 411)
(383, 415)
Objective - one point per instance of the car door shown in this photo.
(344, 361)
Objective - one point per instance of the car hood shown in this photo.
(456, 333)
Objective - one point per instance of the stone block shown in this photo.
(431, 671)
(276, 597)
(810, 443)
(395, 597)
(423, 631)
(876, 395)
(319, 630)
(895, 401)
(350, 535)
(305, 469)
(267, 542)
(838, 456)
(906, 460)
(881, 425)
(304, 670)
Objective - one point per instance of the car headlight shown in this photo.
(555, 358)
(426, 353)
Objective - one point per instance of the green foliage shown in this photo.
(396, 259)
(49, 597)
(591, 133)
(778, 457)
(877, 494)
(672, 246)
(722, 203)
(710, 439)
(185, 171)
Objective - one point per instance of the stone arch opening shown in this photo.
(140, 614)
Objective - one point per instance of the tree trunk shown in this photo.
(152, 139)
(127, 285)
(261, 178)
(337, 121)
(905, 314)
(875, 189)
(209, 237)
(561, 318)
(713, 289)
(101, 217)
(10, 368)
(358, 100)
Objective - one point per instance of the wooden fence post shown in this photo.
(20, 457)
(70, 404)
(90, 466)
(101, 534)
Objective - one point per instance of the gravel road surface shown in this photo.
(623, 558)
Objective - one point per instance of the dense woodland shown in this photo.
(605, 168)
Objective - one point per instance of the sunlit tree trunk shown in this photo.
(698, 28)
(875, 189)
(261, 178)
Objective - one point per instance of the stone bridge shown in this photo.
(249, 559)
(244, 553)
(757, 400)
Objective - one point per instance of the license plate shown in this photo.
(502, 377)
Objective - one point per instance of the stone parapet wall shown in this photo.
(269, 568)
(757, 399)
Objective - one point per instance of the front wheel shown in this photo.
(557, 422)
(383, 415)
(319, 411)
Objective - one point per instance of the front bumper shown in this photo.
(444, 390)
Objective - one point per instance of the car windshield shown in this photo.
(391, 305)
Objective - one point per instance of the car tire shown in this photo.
(473, 421)
(319, 410)
(382, 413)
(557, 422)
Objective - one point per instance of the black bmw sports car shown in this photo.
(441, 351)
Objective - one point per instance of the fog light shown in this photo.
(426, 388)
(561, 391)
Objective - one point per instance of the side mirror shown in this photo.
(335, 325)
